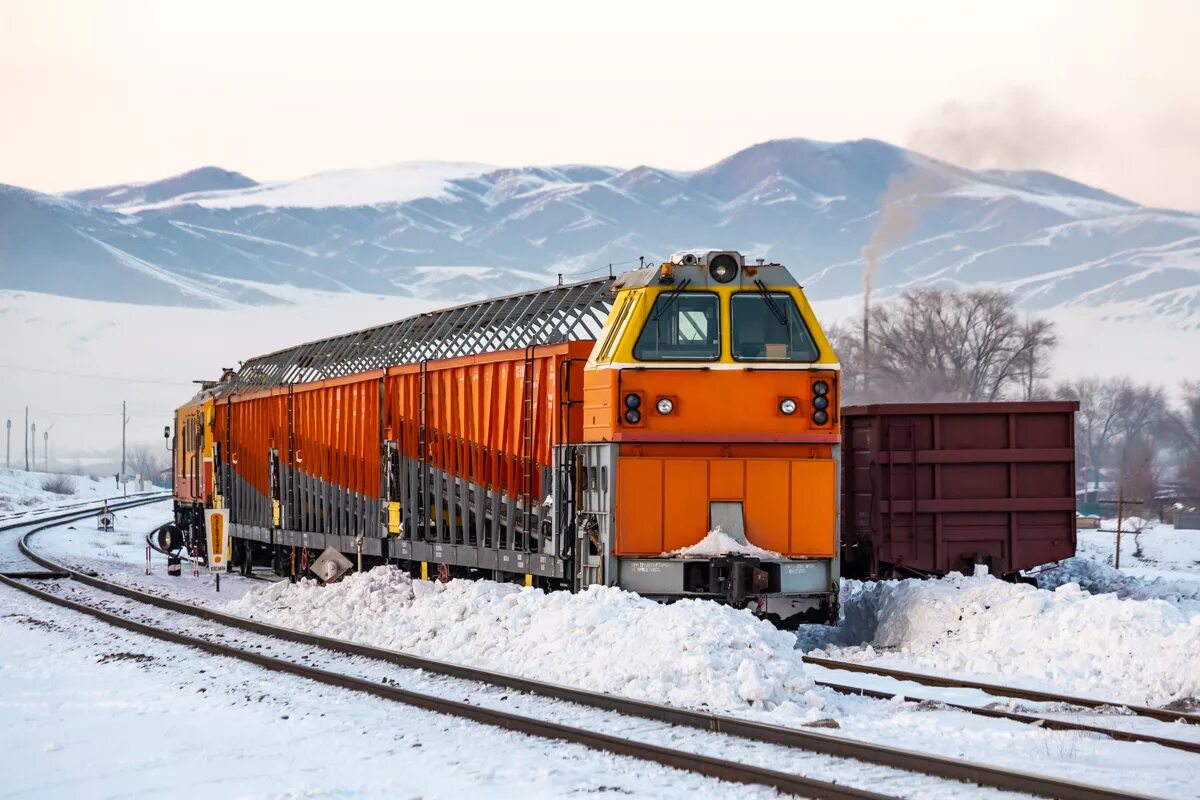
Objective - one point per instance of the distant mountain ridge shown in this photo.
(454, 231)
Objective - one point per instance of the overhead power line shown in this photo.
(89, 376)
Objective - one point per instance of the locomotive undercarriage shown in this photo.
(466, 535)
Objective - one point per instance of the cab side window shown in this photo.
(682, 326)
(767, 326)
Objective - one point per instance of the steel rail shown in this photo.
(999, 690)
(812, 741)
(76, 514)
(709, 766)
(10, 521)
(1049, 723)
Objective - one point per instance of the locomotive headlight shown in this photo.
(821, 387)
(788, 406)
(632, 401)
(664, 405)
(633, 416)
(723, 268)
(820, 417)
(820, 402)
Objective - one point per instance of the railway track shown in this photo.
(71, 513)
(998, 690)
(806, 741)
(1046, 722)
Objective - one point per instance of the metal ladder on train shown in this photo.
(528, 418)
(420, 511)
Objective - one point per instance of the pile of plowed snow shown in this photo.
(1133, 651)
(690, 653)
(1098, 578)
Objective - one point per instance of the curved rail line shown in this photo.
(811, 741)
(17, 519)
(1049, 723)
(708, 766)
(999, 690)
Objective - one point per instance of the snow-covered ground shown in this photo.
(34, 491)
(1066, 640)
(693, 654)
(1127, 635)
(25, 495)
(113, 714)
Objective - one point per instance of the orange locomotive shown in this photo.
(674, 432)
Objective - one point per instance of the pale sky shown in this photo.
(105, 92)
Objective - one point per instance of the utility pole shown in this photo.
(1120, 503)
(121, 477)
(124, 422)
(33, 444)
(8, 444)
(46, 448)
(27, 438)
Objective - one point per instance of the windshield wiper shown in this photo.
(671, 298)
(780, 315)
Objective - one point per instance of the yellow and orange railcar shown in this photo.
(592, 433)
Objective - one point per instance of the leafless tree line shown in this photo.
(938, 345)
(147, 461)
(1132, 436)
(932, 345)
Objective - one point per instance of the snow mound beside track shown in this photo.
(1133, 651)
(690, 653)
(1097, 578)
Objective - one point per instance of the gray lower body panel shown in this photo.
(665, 576)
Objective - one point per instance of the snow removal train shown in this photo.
(675, 431)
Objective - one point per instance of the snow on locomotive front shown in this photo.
(711, 440)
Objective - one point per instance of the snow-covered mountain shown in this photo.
(450, 231)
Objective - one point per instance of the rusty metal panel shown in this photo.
(939, 487)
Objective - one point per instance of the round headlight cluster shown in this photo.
(632, 403)
(665, 405)
(787, 406)
(723, 268)
(820, 402)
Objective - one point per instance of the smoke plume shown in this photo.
(1015, 130)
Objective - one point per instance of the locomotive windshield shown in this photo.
(767, 327)
(683, 326)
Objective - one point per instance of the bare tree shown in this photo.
(1184, 432)
(1098, 411)
(146, 461)
(934, 344)
(1121, 428)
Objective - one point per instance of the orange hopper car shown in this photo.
(674, 431)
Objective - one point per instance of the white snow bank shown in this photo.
(20, 490)
(1134, 651)
(1098, 578)
(719, 543)
(690, 653)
